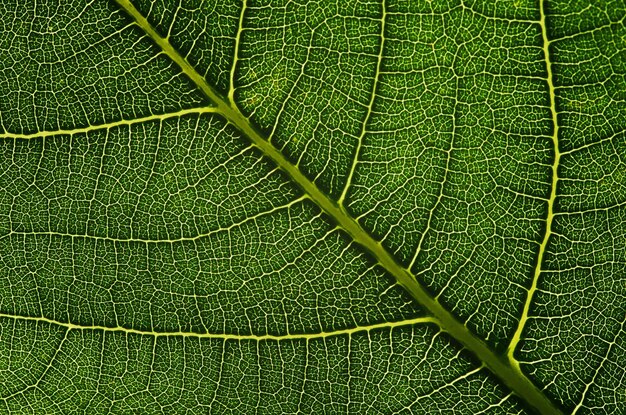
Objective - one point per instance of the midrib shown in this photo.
(508, 374)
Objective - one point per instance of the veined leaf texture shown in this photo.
(324, 207)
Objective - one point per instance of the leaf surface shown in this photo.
(316, 207)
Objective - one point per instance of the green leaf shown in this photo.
(314, 207)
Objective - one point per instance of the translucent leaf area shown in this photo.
(320, 207)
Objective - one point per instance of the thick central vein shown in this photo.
(555, 178)
(509, 375)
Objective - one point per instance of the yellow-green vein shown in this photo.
(550, 215)
(227, 336)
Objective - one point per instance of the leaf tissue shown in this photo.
(324, 207)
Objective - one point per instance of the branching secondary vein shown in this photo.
(109, 125)
(226, 336)
(550, 215)
(370, 106)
